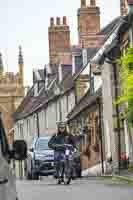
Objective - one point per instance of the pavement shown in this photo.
(78, 189)
(95, 172)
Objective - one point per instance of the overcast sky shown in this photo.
(25, 22)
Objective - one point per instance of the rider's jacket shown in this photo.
(59, 139)
(55, 141)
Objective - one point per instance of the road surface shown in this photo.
(78, 190)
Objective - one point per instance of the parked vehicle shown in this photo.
(40, 159)
(7, 177)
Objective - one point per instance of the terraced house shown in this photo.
(80, 85)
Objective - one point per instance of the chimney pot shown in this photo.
(83, 3)
(57, 20)
(51, 21)
(64, 20)
(92, 2)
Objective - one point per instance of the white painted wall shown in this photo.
(110, 138)
(48, 118)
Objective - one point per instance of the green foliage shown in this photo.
(126, 76)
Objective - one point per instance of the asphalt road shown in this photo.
(78, 190)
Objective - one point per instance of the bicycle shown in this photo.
(65, 171)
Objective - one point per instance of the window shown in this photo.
(42, 144)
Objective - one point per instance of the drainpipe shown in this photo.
(130, 8)
(117, 112)
(100, 131)
(38, 128)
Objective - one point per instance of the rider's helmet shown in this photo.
(62, 127)
(61, 124)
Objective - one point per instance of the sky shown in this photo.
(25, 23)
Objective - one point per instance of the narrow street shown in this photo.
(89, 189)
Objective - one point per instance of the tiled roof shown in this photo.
(118, 27)
(86, 101)
(90, 53)
(31, 104)
(109, 27)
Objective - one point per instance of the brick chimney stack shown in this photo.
(59, 39)
(88, 22)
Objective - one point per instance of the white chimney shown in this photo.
(73, 65)
(37, 75)
(84, 55)
(48, 69)
(36, 89)
(60, 72)
(37, 78)
(46, 82)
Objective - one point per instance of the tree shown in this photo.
(126, 77)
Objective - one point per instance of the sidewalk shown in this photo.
(125, 175)
(94, 173)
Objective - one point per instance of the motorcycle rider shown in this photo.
(58, 139)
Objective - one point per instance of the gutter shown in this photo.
(111, 40)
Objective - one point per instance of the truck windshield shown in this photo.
(42, 144)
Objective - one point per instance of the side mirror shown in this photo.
(31, 150)
(19, 150)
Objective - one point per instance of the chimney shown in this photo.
(51, 21)
(64, 20)
(84, 56)
(92, 2)
(60, 72)
(73, 65)
(36, 83)
(83, 3)
(57, 21)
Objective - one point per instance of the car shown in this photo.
(40, 159)
(7, 176)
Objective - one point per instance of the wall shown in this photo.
(48, 117)
(111, 146)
